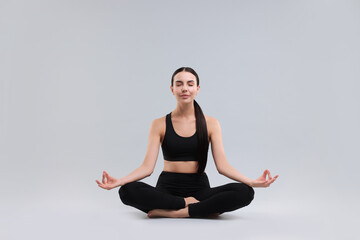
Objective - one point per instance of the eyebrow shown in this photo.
(182, 81)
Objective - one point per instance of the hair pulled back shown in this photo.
(201, 128)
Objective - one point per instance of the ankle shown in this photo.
(181, 213)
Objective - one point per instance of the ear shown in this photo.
(198, 88)
(172, 89)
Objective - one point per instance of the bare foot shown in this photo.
(190, 200)
(181, 213)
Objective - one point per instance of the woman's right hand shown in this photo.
(109, 182)
(262, 181)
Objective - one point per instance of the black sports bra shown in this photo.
(178, 148)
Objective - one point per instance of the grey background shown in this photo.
(81, 82)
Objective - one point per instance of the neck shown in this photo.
(184, 110)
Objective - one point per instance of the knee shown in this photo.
(126, 191)
(245, 193)
(250, 194)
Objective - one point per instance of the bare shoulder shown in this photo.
(157, 122)
(212, 125)
(211, 121)
(158, 126)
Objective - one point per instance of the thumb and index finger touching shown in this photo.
(105, 176)
(271, 179)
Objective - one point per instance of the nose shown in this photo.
(184, 88)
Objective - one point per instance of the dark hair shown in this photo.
(201, 128)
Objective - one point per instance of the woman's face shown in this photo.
(184, 87)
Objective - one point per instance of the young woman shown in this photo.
(183, 189)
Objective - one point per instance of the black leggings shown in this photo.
(172, 188)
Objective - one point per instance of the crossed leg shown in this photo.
(146, 197)
(224, 198)
(180, 213)
(213, 202)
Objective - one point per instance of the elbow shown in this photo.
(223, 169)
(220, 171)
(149, 172)
(146, 170)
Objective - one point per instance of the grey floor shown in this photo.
(105, 217)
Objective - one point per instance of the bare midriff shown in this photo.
(180, 166)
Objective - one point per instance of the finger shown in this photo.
(276, 177)
(273, 180)
(100, 184)
(106, 175)
(106, 179)
(265, 176)
(269, 175)
(103, 178)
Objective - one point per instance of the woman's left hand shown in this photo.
(262, 181)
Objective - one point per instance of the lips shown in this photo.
(184, 95)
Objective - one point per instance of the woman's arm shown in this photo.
(145, 169)
(224, 167)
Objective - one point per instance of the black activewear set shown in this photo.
(171, 187)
